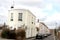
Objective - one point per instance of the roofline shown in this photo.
(23, 9)
(44, 24)
(31, 13)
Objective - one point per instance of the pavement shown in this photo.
(5, 39)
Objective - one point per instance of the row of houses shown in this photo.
(43, 29)
(18, 18)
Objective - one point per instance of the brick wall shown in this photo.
(52, 31)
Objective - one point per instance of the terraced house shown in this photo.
(43, 29)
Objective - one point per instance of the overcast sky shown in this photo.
(45, 10)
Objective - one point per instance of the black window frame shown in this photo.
(20, 17)
(11, 17)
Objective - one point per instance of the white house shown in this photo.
(22, 17)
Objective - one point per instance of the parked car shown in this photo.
(45, 35)
(49, 34)
(39, 36)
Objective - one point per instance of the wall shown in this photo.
(28, 18)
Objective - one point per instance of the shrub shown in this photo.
(12, 34)
(5, 33)
(9, 34)
(37, 28)
(21, 34)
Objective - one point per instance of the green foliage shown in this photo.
(37, 28)
(13, 34)
(55, 31)
(5, 33)
(9, 34)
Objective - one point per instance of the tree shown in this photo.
(21, 34)
(55, 32)
(37, 28)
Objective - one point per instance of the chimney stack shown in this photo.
(12, 4)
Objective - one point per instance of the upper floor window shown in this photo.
(20, 17)
(11, 16)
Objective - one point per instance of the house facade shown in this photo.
(43, 29)
(22, 18)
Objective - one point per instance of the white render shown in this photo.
(27, 19)
(43, 29)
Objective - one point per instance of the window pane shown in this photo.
(11, 19)
(11, 16)
(20, 17)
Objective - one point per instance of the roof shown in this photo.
(44, 24)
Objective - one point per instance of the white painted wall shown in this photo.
(42, 29)
(27, 19)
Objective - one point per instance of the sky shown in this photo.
(47, 11)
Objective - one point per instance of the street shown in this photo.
(51, 37)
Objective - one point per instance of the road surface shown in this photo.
(51, 37)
